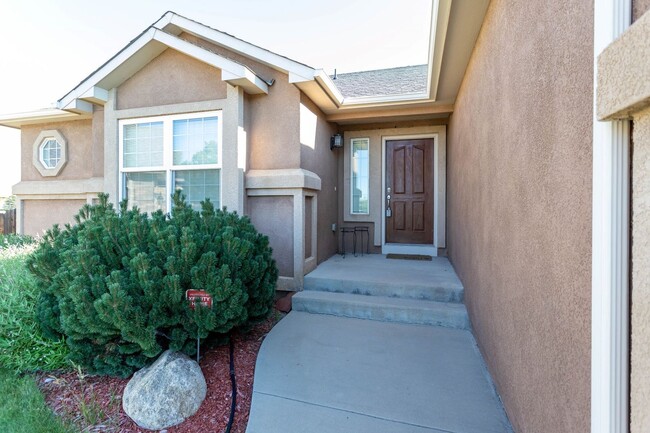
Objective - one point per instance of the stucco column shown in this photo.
(111, 156)
(623, 94)
(233, 151)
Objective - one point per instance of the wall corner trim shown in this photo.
(610, 244)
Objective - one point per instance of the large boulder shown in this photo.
(166, 393)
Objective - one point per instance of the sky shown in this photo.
(47, 47)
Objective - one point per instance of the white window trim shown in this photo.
(168, 151)
(37, 155)
(610, 243)
(352, 140)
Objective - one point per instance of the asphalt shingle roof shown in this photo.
(383, 82)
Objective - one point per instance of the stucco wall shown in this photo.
(40, 215)
(265, 213)
(317, 157)
(640, 359)
(79, 137)
(274, 133)
(171, 78)
(639, 7)
(519, 207)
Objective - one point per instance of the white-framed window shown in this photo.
(50, 152)
(161, 154)
(360, 176)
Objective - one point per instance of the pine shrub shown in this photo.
(114, 283)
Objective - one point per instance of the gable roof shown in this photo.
(383, 82)
(354, 96)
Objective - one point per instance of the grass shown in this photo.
(22, 408)
(22, 346)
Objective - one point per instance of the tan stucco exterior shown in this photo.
(274, 132)
(81, 149)
(623, 94)
(316, 156)
(622, 89)
(45, 213)
(281, 140)
(171, 78)
(519, 207)
(639, 7)
(266, 212)
(640, 323)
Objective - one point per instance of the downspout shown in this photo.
(610, 246)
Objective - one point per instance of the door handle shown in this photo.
(389, 212)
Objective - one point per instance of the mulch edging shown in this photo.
(94, 403)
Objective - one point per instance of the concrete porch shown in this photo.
(393, 290)
(323, 369)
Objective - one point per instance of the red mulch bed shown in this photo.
(94, 402)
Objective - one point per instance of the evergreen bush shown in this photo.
(114, 283)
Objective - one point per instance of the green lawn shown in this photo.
(22, 408)
(22, 347)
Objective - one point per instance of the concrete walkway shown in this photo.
(320, 374)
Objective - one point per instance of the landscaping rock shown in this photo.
(165, 393)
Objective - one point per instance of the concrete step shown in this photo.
(377, 276)
(404, 289)
(383, 308)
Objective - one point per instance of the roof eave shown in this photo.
(139, 52)
(176, 24)
(18, 120)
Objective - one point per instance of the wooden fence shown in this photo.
(8, 221)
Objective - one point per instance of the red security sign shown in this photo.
(201, 297)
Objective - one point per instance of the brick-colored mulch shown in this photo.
(94, 402)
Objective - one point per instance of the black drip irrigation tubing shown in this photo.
(233, 403)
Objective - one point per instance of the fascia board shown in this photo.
(372, 101)
(108, 67)
(164, 20)
(79, 106)
(239, 46)
(231, 71)
(329, 87)
(17, 120)
(441, 10)
(95, 95)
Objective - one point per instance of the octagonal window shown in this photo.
(50, 153)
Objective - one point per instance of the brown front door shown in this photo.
(409, 183)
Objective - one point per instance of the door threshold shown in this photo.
(413, 249)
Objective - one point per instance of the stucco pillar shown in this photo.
(282, 204)
(111, 156)
(233, 151)
(623, 94)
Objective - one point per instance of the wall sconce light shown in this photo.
(336, 141)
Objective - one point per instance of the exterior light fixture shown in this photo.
(336, 141)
